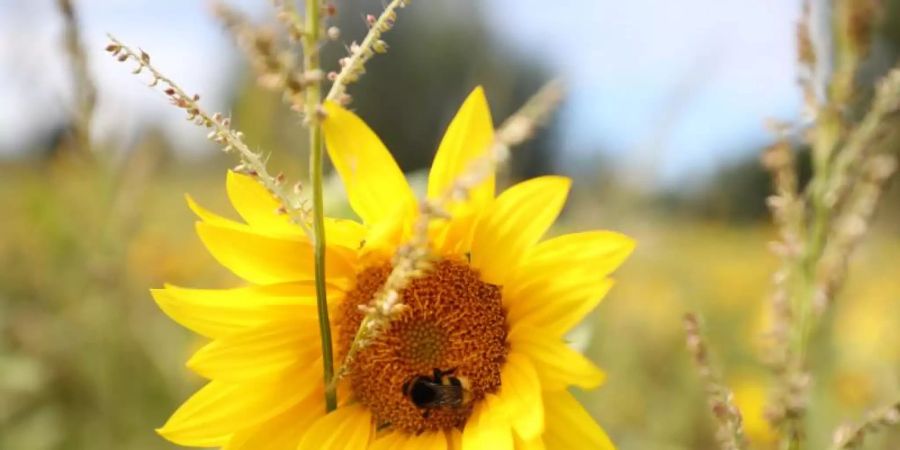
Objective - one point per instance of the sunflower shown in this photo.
(484, 327)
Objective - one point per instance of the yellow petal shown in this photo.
(265, 351)
(557, 365)
(372, 178)
(220, 409)
(264, 259)
(488, 427)
(284, 431)
(468, 137)
(555, 302)
(561, 279)
(597, 252)
(570, 427)
(344, 232)
(219, 312)
(533, 444)
(347, 428)
(390, 441)
(430, 440)
(516, 221)
(206, 319)
(455, 237)
(213, 218)
(454, 439)
(520, 395)
(257, 205)
(384, 237)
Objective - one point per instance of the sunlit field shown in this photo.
(760, 308)
(90, 362)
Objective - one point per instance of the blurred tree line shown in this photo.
(438, 52)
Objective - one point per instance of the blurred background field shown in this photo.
(662, 133)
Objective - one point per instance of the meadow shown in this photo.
(88, 361)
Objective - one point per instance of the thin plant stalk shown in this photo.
(851, 436)
(85, 89)
(360, 54)
(844, 154)
(729, 421)
(316, 147)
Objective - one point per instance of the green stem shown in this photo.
(321, 299)
(313, 98)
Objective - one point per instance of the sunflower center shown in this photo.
(454, 326)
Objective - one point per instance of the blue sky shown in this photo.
(670, 88)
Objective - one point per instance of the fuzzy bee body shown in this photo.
(441, 390)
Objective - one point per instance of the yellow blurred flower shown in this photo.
(750, 395)
(487, 320)
(855, 391)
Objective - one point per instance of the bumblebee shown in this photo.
(441, 390)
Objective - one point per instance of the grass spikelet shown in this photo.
(353, 65)
(275, 67)
(729, 423)
(85, 90)
(220, 132)
(819, 227)
(850, 436)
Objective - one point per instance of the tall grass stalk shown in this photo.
(820, 224)
(820, 234)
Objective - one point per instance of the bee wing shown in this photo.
(448, 395)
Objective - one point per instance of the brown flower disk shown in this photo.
(453, 321)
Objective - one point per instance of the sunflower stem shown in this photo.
(313, 98)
